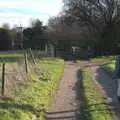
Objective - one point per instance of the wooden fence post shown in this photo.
(26, 62)
(32, 56)
(3, 79)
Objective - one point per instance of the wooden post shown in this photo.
(3, 79)
(46, 48)
(26, 63)
(55, 51)
(32, 56)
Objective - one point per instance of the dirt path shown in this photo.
(63, 103)
(62, 106)
(109, 88)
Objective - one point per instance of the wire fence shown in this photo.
(15, 67)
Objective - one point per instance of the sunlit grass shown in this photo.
(110, 65)
(11, 57)
(93, 95)
(110, 68)
(27, 101)
(103, 59)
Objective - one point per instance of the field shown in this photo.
(26, 94)
(31, 93)
(11, 57)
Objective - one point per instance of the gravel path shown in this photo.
(62, 108)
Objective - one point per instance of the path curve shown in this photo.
(109, 88)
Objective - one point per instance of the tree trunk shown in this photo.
(107, 39)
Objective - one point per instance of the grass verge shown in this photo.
(27, 101)
(109, 68)
(103, 59)
(94, 108)
(11, 57)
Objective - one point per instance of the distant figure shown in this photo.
(118, 76)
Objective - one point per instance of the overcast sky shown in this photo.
(21, 11)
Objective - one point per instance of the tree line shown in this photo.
(92, 25)
(35, 36)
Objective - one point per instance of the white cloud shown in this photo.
(14, 18)
(46, 8)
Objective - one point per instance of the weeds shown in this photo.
(27, 101)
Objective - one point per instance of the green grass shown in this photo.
(109, 68)
(92, 96)
(11, 57)
(108, 64)
(103, 59)
(27, 101)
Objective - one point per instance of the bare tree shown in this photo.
(99, 16)
(63, 29)
(6, 26)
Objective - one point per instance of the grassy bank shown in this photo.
(103, 59)
(107, 64)
(28, 100)
(93, 98)
(109, 68)
(11, 57)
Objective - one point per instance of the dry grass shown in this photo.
(27, 101)
(15, 74)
